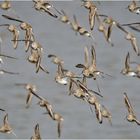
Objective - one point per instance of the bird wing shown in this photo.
(128, 104)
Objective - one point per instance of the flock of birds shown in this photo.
(77, 83)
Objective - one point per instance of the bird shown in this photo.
(57, 117)
(36, 135)
(89, 68)
(28, 87)
(127, 70)
(92, 12)
(63, 17)
(44, 6)
(60, 76)
(106, 114)
(35, 58)
(44, 103)
(13, 29)
(5, 5)
(6, 128)
(81, 30)
(48, 106)
(132, 7)
(131, 117)
(87, 90)
(55, 59)
(29, 35)
(129, 36)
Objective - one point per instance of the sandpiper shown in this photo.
(127, 70)
(81, 30)
(131, 117)
(44, 6)
(28, 87)
(87, 90)
(5, 5)
(63, 17)
(35, 58)
(13, 29)
(111, 23)
(47, 105)
(57, 117)
(60, 77)
(6, 128)
(132, 38)
(56, 60)
(44, 103)
(92, 12)
(36, 135)
(106, 114)
(132, 7)
(29, 36)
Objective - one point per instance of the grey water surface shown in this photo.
(58, 38)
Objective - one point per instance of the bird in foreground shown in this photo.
(131, 117)
(6, 128)
(36, 135)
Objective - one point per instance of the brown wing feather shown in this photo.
(128, 104)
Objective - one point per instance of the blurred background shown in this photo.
(59, 39)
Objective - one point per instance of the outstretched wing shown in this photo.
(128, 104)
(127, 61)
